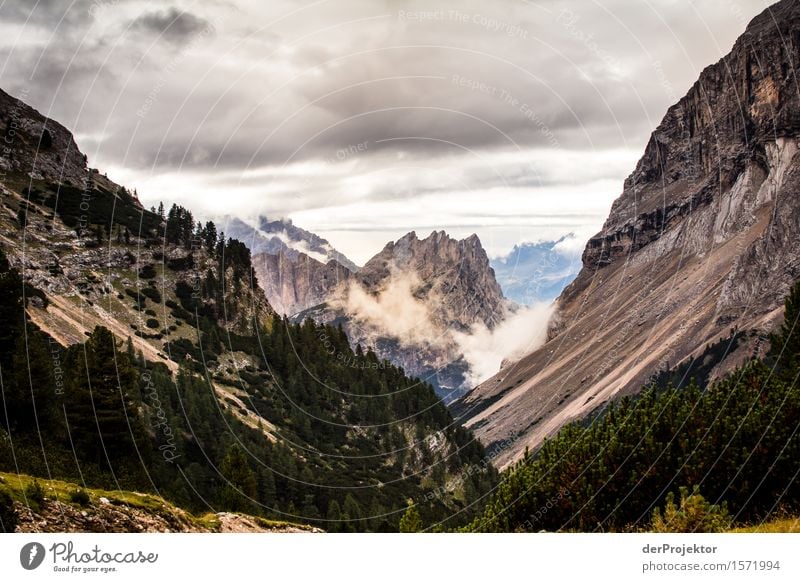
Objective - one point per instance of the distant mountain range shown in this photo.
(281, 236)
(416, 303)
(537, 272)
(297, 269)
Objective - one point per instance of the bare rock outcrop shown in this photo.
(702, 240)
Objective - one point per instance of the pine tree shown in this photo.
(102, 401)
(32, 399)
(12, 313)
(786, 341)
(334, 517)
(411, 521)
(210, 237)
(351, 514)
(240, 482)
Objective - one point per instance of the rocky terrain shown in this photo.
(62, 511)
(297, 269)
(701, 242)
(408, 300)
(295, 284)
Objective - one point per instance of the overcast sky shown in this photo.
(362, 120)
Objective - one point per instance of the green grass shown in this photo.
(62, 491)
(781, 525)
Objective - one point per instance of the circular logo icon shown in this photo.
(31, 555)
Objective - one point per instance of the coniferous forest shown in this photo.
(307, 430)
(731, 446)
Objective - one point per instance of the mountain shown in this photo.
(296, 284)
(282, 237)
(537, 272)
(139, 353)
(409, 302)
(701, 243)
(296, 269)
(39, 148)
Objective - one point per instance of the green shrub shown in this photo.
(8, 515)
(693, 515)
(152, 323)
(138, 297)
(152, 293)
(410, 522)
(80, 497)
(34, 495)
(147, 272)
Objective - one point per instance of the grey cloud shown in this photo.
(45, 12)
(338, 74)
(172, 24)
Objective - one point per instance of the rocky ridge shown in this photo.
(296, 269)
(407, 300)
(701, 242)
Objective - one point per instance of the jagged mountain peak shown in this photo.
(411, 301)
(459, 269)
(41, 149)
(438, 248)
(282, 236)
(702, 241)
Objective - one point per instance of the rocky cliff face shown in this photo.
(95, 253)
(41, 149)
(702, 240)
(37, 147)
(407, 302)
(455, 277)
(297, 269)
(294, 284)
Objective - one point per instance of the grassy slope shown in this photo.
(55, 490)
(782, 525)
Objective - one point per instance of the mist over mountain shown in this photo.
(138, 353)
(427, 304)
(282, 237)
(699, 250)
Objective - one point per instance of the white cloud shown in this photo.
(395, 311)
(519, 333)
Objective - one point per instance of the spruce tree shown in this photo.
(103, 400)
(786, 341)
(12, 313)
(33, 398)
(334, 517)
(240, 482)
(351, 514)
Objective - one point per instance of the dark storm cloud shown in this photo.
(403, 84)
(171, 24)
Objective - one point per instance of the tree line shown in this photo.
(734, 443)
